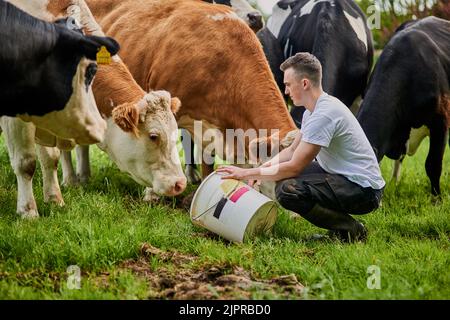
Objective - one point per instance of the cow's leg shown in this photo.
(83, 165)
(69, 176)
(433, 164)
(49, 158)
(190, 171)
(412, 145)
(207, 169)
(19, 138)
(396, 173)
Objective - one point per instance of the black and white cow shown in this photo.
(244, 11)
(410, 88)
(47, 71)
(335, 31)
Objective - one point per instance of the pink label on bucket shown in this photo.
(238, 193)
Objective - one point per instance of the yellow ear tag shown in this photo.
(103, 56)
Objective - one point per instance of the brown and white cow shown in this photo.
(206, 55)
(140, 137)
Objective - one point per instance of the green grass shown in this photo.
(104, 224)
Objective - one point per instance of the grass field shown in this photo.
(127, 249)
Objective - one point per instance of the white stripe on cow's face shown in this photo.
(277, 19)
(308, 7)
(358, 26)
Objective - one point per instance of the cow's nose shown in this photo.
(255, 20)
(179, 187)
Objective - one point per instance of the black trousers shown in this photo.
(316, 186)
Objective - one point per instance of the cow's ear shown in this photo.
(90, 45)
(175, 104)
(87, 46)
(126, 116)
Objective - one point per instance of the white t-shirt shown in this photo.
(345, 148)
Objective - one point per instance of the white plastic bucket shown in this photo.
(232, 209)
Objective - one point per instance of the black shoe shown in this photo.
(342, 225)
(357, 233)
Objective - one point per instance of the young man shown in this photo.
(345, 178)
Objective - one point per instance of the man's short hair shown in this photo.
(305, 65)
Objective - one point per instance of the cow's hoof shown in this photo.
(29, 215)
(436, 200)
(28, 210)
(84, 179)
(192, 175)
(56, 199)
(150, 196)
(70, 182)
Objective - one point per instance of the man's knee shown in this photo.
(292, 196)
(285, 189)
(370, 204)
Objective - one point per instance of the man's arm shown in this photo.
(303, 155)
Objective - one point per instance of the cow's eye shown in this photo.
(91, 70)
(154, 137)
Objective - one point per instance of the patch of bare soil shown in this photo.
(205, 282)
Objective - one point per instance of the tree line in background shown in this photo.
(392, 13)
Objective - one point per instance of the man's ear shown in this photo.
(305, 83)
(175, 104)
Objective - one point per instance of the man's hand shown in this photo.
(232, 172)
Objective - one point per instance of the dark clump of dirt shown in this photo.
(221, 281)
(182, 201)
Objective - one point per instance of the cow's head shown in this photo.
(244, 11)
(65, 80)
(141, 139)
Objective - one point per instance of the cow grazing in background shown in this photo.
(223, 79)
(47, 71)
(416, 136)
(140, 137)
(245, 11)
(410, 88)
(335, 31)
